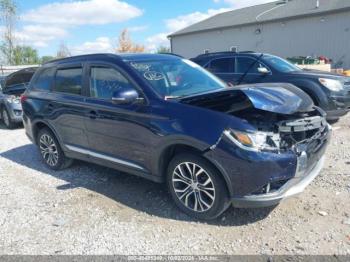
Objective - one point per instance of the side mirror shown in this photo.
(263, 70)
(125, 95)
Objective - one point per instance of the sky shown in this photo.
(93, 26)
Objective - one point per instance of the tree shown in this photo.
(8, 10)
(163, 50)
(63, 51)
(47, 58)
(126, 44)
(25, 55)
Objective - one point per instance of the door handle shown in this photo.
(92, 115)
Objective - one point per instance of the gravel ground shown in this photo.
(89, 209)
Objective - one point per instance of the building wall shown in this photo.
(327, 35)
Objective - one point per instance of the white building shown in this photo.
(6, 70)
(285, 28)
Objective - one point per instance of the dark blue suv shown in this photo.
(166, 119)
(329, 91)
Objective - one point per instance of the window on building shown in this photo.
(104, 81)
(69, 81)
(234, 49)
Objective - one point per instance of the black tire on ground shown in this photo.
(51, 151)
(5, 116)
(333, 121)
(207, 207)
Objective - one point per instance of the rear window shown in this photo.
(20, 78)
(44, 80)
(69, 81)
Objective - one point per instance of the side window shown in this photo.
(222, 65)
(69, 81)
(104, 81)
(244, 63)
(44, 80)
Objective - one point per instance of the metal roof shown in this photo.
(278, 10)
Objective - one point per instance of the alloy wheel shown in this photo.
(49, 150)
(193, 187)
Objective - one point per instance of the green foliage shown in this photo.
(163, 50)
(8, 6)
(47, 58)
(8, 17)
(25, 55)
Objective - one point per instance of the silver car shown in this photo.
(11, 89)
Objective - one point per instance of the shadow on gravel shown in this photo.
(134, 192)
(3, 127)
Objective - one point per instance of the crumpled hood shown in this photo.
(278, 98)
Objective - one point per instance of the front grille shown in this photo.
(305, 130)
(18, 112)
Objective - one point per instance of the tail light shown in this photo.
(23, 98)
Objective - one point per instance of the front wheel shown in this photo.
(197, 187)
(51, 152)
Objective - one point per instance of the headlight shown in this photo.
(253, 141)
(13, 100)
(331, 84)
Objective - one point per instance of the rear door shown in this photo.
(66, 106)
(116, 133)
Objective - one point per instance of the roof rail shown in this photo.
(164, 53)
(225, 53)
(55, 60)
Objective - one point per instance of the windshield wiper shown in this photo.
(249, 68)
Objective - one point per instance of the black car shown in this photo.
(12, 87)
(329, 91)
(167, 119)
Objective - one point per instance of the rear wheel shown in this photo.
(51, 152)
(7, 119)
(197, 187)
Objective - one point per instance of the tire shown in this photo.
(51, 151)
(7, 119)
(211, 202)
(333, 121)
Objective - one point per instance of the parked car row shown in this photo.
(331, 92)
(166, 119)
(11, 88)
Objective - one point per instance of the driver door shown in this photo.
(116, 133)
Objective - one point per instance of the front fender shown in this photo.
(314, 90)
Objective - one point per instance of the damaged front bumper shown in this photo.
(293, 187)
(261, 179)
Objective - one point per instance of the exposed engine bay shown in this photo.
(285, 131)
(275, 129)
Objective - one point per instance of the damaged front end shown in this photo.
(280, 154)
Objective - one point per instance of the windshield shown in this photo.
(175, 78)
(280, 64)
